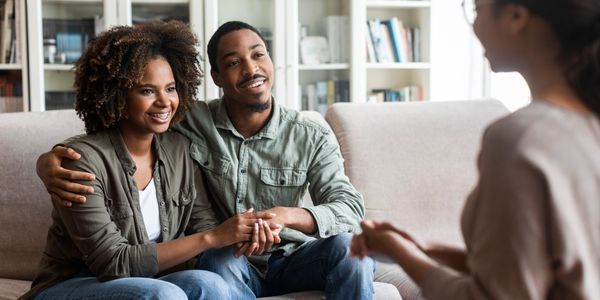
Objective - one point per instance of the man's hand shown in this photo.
(293, 217)
(58, 180)
(296, 218)
(242, 227)
(262, 241)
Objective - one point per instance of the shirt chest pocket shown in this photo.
(209, 161)
(281, 186)
(181, 198)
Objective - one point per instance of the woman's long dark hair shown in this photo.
(577, 25)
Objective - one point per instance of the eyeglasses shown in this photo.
(470, 8)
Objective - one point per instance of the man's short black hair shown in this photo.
(224, 29)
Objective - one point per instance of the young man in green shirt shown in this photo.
(258, 154)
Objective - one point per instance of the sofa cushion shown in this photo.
(414, 163)
(24, 203)
(24, 220)
(11, 289)
(383, 291)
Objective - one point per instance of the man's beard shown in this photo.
(260, 107)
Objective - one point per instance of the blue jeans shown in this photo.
(320, 265)
(189, 284)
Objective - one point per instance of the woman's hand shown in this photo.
(383, 238)
(243, 227)
(266, 235)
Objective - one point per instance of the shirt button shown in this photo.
(205, 163)
(162, 203)
(165, 229)
(243, 171)
(282, 181)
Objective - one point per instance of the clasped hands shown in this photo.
(265, 233)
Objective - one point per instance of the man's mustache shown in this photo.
(250, 78)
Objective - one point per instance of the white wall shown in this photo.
(456, 55)
(459, 69)
(510, 88)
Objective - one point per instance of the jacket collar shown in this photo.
(123, 154)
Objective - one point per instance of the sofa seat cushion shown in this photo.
(383, 291)
(12, 289)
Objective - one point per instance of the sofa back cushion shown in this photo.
(25, 205)
(414, 163)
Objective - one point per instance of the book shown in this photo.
(330, 92)
(369, 44)
(388, 45)
(311, 97)
(400, 39)
(11, 92)
(374, 26)
(321, 95)
(6, 34)
(336, 29)
(394, 38)
(342, 91)
(416, 44)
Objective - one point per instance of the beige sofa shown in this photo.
(413, 162)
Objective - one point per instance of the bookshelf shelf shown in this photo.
(353, 71)
(73, 1)
(54, 25)
(399, 66)
(8, 67)
(398, 4)
(159, 1)
(323, 67)
(58, 67)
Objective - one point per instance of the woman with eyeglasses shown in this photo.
(532, 223)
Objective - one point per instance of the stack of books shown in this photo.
(389, 41)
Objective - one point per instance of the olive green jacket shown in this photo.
(106, 234)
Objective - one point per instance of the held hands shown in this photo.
(267, 234)
(249, 231)
(59, 181)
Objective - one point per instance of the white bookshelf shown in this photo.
(398, 4)
(280, 18)
(398, 66)
(17, 70)
(367, 76)
(47, 77)
(324, 67)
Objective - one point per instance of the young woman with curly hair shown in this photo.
(148, 211)
(532, 223)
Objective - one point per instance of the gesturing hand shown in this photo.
(383, 238)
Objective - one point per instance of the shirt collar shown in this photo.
(123, 154)
(222, 120)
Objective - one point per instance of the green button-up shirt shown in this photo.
(275, 167)
(106, 234)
